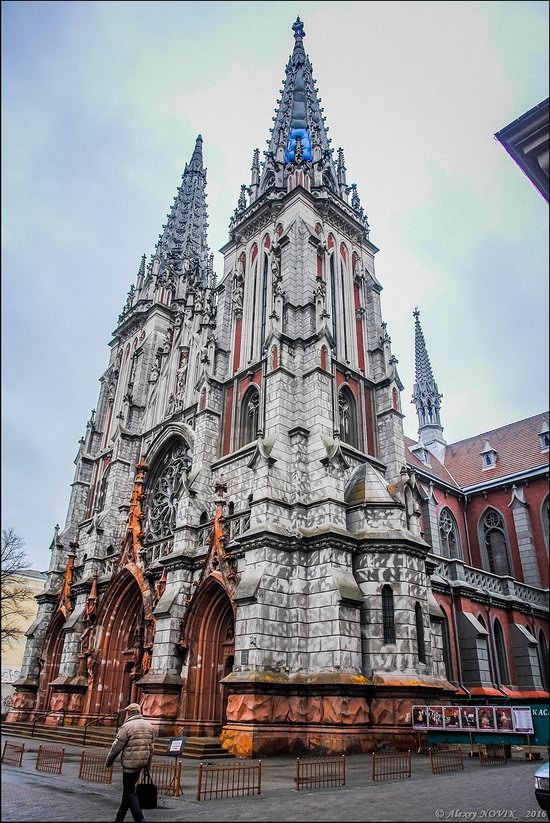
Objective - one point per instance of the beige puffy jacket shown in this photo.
(135, 741)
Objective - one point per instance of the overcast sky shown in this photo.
(101, 106)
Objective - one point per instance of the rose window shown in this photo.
(493, 520)
(445, 522)
(165, 493)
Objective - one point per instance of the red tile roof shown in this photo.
(517, 446)
(436, 469)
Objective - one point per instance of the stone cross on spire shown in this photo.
(426, 396)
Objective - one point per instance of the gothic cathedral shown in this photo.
(242, 553)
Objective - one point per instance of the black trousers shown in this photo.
(130, 798)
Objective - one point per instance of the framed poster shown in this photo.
(485, 718)
(451, 717)
(420, 717)
(523, 719)
(435, 717)
(468, 718)
(503, 717)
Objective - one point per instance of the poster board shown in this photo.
(490, 719)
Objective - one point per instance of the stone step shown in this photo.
(196, 748)
(205, 748)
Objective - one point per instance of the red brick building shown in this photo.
(484, 511)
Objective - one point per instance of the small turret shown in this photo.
(255, 175)
(341, 171)
(426, 397)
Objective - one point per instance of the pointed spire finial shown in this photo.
(196, 159)
(298, 29)
(426, 396)
(423, 367)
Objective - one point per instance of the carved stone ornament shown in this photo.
(166, 491)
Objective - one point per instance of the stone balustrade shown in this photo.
(455, 570)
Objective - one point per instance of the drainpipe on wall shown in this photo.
(457, 646)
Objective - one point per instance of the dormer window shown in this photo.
(421, 452)
(544, 437)
(488, 456)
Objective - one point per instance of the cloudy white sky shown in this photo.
(101, 106)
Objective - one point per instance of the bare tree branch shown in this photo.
(13, 592)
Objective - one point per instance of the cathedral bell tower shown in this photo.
(242, 552)
(312, 442)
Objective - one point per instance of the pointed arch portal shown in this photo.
(120, 648)
(211, 643)
(53, 651)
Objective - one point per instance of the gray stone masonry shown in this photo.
(524, 534)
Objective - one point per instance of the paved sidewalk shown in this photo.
(504, 792)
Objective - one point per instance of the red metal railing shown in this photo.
(492, 755)
(13, 754)
(166, 775)
(50, 759)
(97, 719)
(391, 766)
(93, 768)
(446, 760)
(321, 773)
(62, 712)
(229, 781)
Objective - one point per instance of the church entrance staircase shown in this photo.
(196, 748)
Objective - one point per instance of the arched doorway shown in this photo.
(51, 661)
(211, 641)
(118, 663)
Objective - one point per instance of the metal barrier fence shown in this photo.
(50, 759)
(93, 768)
(447, 760)
(320, 774)
(166, 775)
(393, 766)
(13, 754)
(229, 781)
(492, 755)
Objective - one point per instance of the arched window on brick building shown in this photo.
(545, 515)
(493, 542)
(449, 535)
(500, 651)
(543, 658)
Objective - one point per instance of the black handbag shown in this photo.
(147, 791)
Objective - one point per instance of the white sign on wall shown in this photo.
(9, 674)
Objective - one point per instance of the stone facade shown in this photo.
(242, 502)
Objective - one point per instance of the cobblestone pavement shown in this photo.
(497, 793)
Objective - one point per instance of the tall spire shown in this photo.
(184, 234)
(426, 396)
(299, 133)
